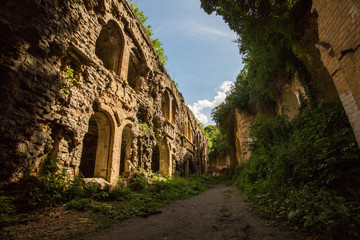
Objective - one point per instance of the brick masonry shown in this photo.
(339, 41)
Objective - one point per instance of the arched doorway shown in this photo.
(126, 150)
(97, 147)
(109, 46)
(160, 160)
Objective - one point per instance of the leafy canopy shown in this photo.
(270, 37)
(271, 34)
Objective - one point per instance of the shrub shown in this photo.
(120, 194)
(7, 208)
(139, 182)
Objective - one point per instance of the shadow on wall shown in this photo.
(30, 82)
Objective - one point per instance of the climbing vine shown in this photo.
(69, 78)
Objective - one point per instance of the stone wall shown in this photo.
(339, 41)
(241, 131)
(218, 166)
(82, 86)
(290, 99)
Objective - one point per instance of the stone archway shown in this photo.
(95, 157)
(160, 160)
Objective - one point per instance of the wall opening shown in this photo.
(192, 168)
(165, 106)
(133, 76)
(88, 157)
(97, 147)
(174, 110)
(126, 154)
(110, 46)
(155, 159)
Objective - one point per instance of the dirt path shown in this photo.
(219, 213)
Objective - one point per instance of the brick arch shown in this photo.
(97, 146)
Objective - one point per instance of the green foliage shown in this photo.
(139, 183)
(217, 143)
(80, 204)
(144, 127)
(306, 171)
(272, 42)
(156, 43)
(69, 78)
(7, 208)
(50, 188)
(120, 193)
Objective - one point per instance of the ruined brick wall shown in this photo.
(339, 41)
(218, 166)
(81, 85)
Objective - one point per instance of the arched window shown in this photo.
(110, 46)
(96, 147)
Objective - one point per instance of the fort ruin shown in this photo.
(82, 86)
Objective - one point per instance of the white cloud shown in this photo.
(204, 31)
(198, 106)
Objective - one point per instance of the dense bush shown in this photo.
(6, 209)
(306, 171)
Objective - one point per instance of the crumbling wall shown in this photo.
(218, 166)
(241, 129)
(82, 86)
(339, 41)
(290, 99)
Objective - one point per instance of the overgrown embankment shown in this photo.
(306, 171)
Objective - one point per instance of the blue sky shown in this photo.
(203, 59)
